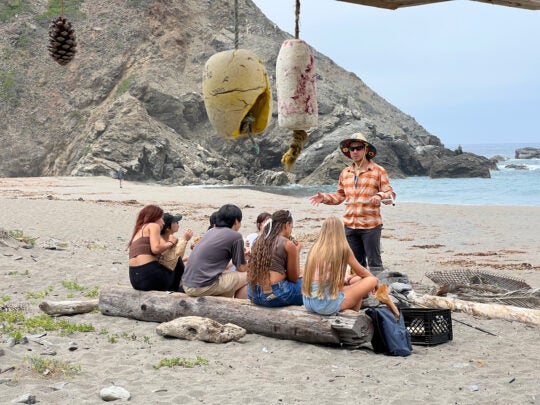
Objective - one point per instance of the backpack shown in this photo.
(390, 337)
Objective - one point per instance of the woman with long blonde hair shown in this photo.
(327, 288)
(274, 267)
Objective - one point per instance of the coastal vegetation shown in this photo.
(15, 323)
(181, 362)
(50, 366)
(21, 237)
(75, 286)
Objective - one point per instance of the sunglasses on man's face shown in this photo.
(359, 147)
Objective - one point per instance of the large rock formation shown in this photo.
(463, 165)
(131, 99)
(528, 153)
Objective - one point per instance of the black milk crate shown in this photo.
(428, 326)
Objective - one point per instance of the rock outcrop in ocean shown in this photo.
(528, 153)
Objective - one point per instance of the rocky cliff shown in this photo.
(131, 99)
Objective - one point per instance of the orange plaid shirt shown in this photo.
(356, 188)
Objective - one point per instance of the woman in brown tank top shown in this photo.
(274, 273)
(145, 272)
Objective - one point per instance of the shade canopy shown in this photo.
(394, 4)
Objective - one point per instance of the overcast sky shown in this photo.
(468, 72)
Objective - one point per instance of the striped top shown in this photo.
(356, 187)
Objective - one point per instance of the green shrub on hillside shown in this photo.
(9, 8)
(9, 88)
(54, 9)
(138, 3)
(24, 41)
(125, 85)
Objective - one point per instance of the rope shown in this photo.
(299, 138)
(245, 128)
(235, 24)
(297, 20)
(62, 7)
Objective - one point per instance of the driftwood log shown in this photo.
(294, 323)
(68, 307)
(508, 312)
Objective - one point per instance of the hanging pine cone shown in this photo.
(63, 45)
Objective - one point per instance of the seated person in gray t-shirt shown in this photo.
(205, 272)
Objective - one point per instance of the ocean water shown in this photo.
(506, 186)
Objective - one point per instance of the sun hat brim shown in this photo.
(344, 146)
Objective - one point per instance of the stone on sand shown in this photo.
(199, 328)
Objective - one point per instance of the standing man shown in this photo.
(362, 186)
(121, 175)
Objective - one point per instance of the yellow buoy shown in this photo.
(237, 93)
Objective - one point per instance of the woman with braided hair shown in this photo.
(274, 267)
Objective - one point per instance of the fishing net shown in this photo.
(481, 286)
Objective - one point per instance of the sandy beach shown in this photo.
(82, 226)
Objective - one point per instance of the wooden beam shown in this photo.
(392, 4)
(349, 328)
(395, 4)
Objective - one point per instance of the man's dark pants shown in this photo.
(366, 246)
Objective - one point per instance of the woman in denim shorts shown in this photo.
(274, 267)
(327, 287)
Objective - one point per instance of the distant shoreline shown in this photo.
(493, 149)
(505, 188)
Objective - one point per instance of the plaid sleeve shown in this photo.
(386, 190)
(339, 196)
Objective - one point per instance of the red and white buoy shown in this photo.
(296, 82)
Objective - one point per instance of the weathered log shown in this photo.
(68, 307)
(508, 312)
(349, 328)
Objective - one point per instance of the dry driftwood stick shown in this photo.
(294, 323)
(508, 312)
(474, 327)
(68, 307)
